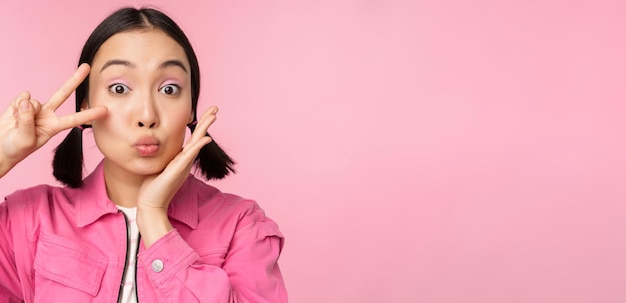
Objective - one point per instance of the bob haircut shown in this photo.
(68, 157)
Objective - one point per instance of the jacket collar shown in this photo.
(93, 201)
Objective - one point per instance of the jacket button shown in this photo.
(157, 265)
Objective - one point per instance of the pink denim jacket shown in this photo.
(70, 245)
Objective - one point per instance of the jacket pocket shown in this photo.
(61, 263)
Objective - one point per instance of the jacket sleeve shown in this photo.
(250, 272)
(10, 290)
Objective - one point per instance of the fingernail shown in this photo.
(24, 105)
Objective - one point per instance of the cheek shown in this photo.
(112, 120)
(175, 114)
(113, 125)
(177, 128)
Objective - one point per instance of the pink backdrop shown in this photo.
(411, 151)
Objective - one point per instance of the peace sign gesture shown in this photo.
(26, 125)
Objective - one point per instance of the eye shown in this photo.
(170, 89)
(119, 88)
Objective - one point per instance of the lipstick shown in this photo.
(147, 146)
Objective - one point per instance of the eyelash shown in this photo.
(126, 89)
(114, 85)
(174, 86)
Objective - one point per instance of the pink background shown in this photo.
(411, 151)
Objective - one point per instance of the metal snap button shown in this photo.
(157, 265)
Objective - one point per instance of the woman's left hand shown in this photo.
(157, 192)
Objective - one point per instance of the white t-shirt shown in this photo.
(129, 293)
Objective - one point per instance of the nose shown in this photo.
(147, 112)
(141, 124)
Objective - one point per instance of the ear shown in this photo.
(84, 105)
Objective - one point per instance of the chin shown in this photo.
(149, 168)
(148, 172)
(143, 167)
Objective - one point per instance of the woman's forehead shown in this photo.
(147, 48)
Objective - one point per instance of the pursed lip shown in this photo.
(147, 145)
(147, 140)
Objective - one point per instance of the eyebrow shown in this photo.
(117, 62)
(163, 65)
(173, 63)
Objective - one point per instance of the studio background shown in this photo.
(411, 151)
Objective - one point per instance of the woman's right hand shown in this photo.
(26, 124)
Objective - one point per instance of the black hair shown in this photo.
(67, 164)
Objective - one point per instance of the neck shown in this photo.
(122, 186)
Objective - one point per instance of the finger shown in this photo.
(199, 137)
(202, 128)
(181, 164)
(187, 156)
(209, 111)
(193, 148)
(200, 133)
(25, 95)
(36, 106)
(206, 120)
(68, 87)
(184, 160)
(82, 117)
(34, 103)
(25, 125)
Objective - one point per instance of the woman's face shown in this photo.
(143, 78)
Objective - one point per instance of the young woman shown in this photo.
(140, 227)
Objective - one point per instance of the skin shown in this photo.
(139, 91)
(26, 125)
